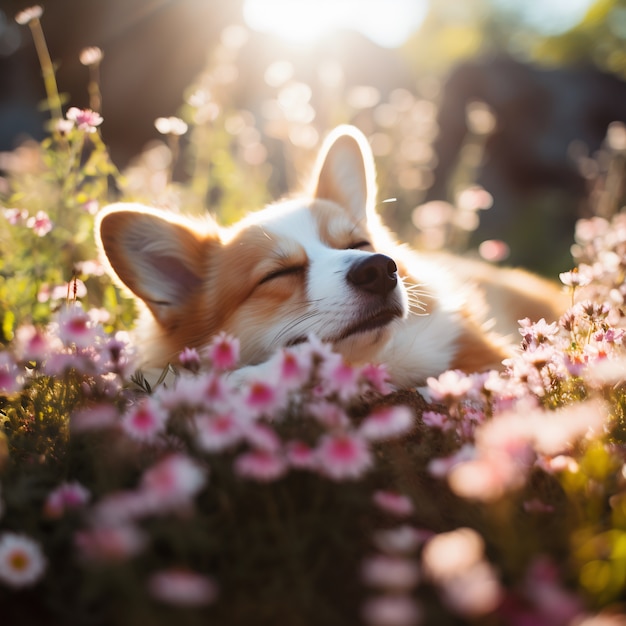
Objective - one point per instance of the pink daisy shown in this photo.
(190, 359)
(40, 223)
(174, 480)
(16, 217)
(343, 456)
(394, 503)
(181, 587)
(65, 497)
(110, 543)
(329, 414)
(378, 377)
(262, 437)
(32, 343)
(22, 563)
(215, 433)
(437, 420)
(145, 420)
(75, 327)
(300, 455)
(223, 351)
(387, 422)
(85, 119)
(260, 465)
(450, 385)
(262, 398)
(294, 368)
(340, 377)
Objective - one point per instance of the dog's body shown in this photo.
(318, 265)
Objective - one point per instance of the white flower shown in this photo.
(22, 562)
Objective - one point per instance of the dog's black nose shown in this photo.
(376, 273)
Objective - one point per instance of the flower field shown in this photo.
(313, 495)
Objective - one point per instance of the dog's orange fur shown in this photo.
(280, 273)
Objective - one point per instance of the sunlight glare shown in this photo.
(386, 22)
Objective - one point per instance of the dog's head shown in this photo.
(299, 267)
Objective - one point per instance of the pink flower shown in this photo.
(22, 563)
(392, 610)
(32, 343)
(262, 437)
(262, 398)
(16, 217)
(85, 119)
(39, 223)
(145, 420)
(94, 418)
(441, 466)
(110, 543)
(343, 456)
(181, 587)
(437, 420)
(390, 572)
(377, 376)
(65, 497)
(387, 422)
(300, 455)
(450, 386)
(173, 482)
(75, 327)
(394, 503)
(330, 415)
(260, 465)
(340, 377)
(294, 368)
(190, 359)
(10, 375)
(223, 351)
(217, 432)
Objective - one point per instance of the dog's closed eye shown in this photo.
(282, 273)
(359, 244)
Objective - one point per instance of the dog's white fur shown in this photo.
(287, 272)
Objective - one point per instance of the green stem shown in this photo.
(47, 69)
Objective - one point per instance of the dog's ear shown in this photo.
(158, 256)
(345, 172)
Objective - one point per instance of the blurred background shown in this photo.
(496, 124)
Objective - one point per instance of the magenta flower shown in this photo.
(66, 496)
(377, 376)
(39, 223)
(223, 351)
(145, 420)
(340, 377)
(262, 437)
(190, 359)
(32, 343)
(260, 465)
(85, 119)
(263, 398)
(75, 327)
(215, 433)
(343, 456)
(387, 422)
(300, 455)
(181, 587)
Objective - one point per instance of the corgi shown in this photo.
(320, 264)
